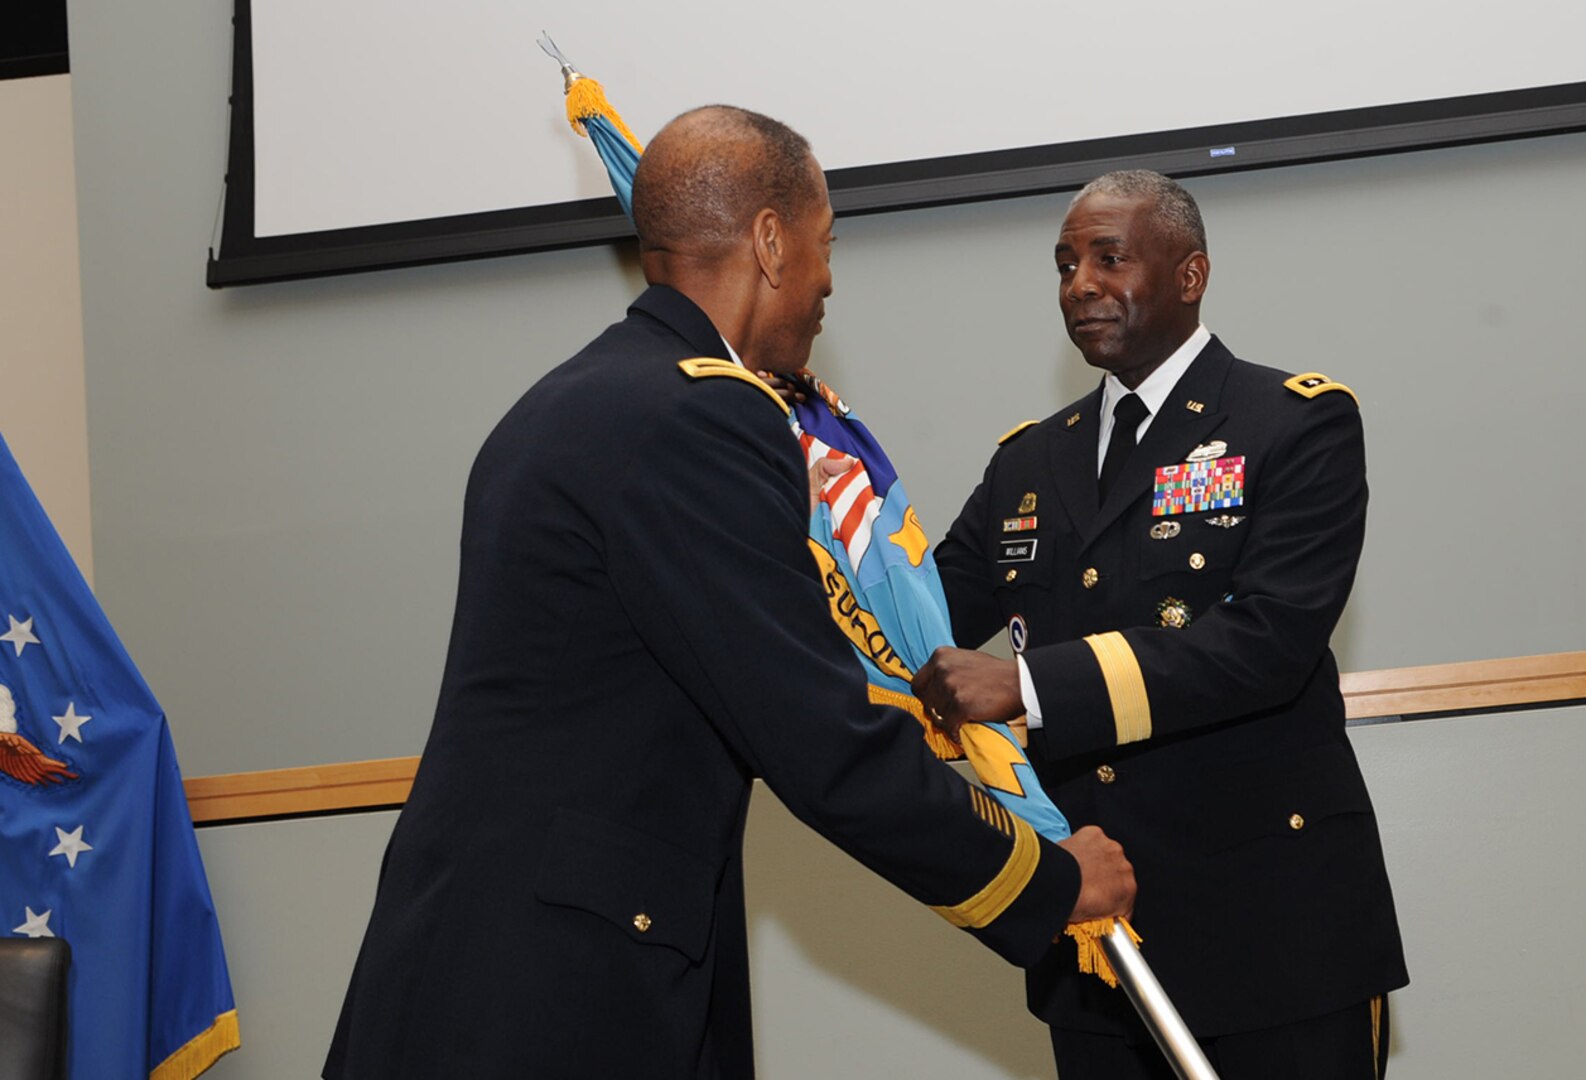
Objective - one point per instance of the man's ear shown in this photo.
(770, 245)
(1194, 274)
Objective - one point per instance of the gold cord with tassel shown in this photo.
(586, 98)
(942, 746)
(1092, 957)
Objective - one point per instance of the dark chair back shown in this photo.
(33, 1008)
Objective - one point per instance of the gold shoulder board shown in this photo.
(707, 367)
(1016, 432)
(1314, 382)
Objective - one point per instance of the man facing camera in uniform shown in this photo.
(1169, 556)
(640, 632)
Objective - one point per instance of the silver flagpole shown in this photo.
(1167, 1027)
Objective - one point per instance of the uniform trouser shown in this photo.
(1351, 1044)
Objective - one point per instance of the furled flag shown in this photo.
(873, 555)
(96, 845)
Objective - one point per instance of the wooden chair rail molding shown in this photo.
(1395, 693)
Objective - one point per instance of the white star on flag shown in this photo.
(21, 633)
(71, 844)
(71, 723)
(35, 926)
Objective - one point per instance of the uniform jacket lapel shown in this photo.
(1073, 457)
(1177, 429)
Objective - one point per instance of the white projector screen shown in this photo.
(380, 113)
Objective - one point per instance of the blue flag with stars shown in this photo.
(96, 845)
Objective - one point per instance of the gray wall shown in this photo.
(277, 477)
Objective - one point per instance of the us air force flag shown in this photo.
(96, 845)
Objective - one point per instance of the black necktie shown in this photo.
(1126, 417)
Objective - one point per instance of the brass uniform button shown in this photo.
(1197, 561)
(1106, 774)
(1011, 574)
(1089, 577)
(641, 922)
(1296, 822)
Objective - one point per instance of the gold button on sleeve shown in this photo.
(1106, 774)
(641, 922)
(1296, 822)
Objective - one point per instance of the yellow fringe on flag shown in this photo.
(940, 744)
(202, 1050)
(586, 98)
(1092, 957)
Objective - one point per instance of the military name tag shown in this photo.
(1018, 551)
(1194, 486)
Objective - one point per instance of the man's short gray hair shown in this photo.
(1173, 208)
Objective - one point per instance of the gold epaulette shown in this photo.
(1314, 382)
(707, 367)
(1016, 432)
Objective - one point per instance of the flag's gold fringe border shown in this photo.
(1476, 686)
(202, 1050)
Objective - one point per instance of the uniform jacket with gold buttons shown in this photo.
(640, 631)
(1190, 701)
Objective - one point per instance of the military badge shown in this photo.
(1207, 451)
(1225, 521)
(1018, 633)
(1173, 613)
(1199, 485)
(1165, 530)
(1027, 504)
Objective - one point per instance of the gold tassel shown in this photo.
(940, 744)
(586, 98)
(1092, 957)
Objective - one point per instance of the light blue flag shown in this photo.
(96, 845)
(621, 159)
(886, 594)
(881, 578)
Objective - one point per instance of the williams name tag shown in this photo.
(1018, 551)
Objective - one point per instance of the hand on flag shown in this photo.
(1106, 877)
(826, 470)
(962, 686)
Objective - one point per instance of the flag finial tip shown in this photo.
(570, 74)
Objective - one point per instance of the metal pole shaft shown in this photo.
(1167, 1027)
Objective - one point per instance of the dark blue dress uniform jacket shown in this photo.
(1214, 752)
(640, 631)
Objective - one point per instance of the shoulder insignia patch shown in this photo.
(1016, 432)
(1314, 382)
(708, 367)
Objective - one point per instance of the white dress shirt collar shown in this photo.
(1153, 391)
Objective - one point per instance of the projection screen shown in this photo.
(369, 134)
